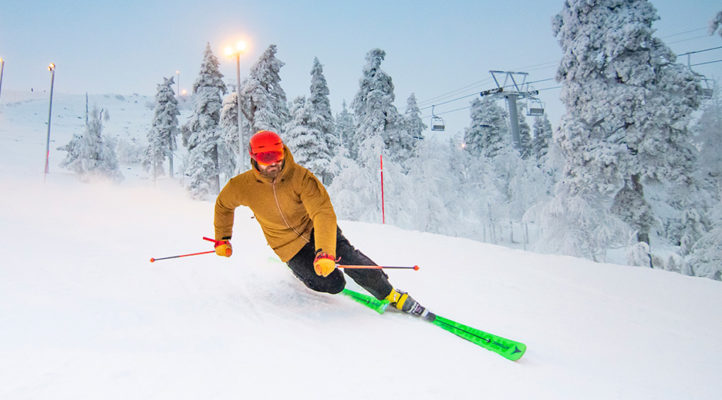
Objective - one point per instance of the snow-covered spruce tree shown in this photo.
(525, 139)
(432, 202)
(321, 120)
(486, 134)
(708, 131)
(378, 130)
(304, 139)
(90, 155)
(705, 255)
(376, 115)
(263, 100)
(201, 133)
(463, 189)
(344, 126)
(628, 104)
(355, 190)
(414, 125)
(482, 143)
(701, 239)
(232, 150)
(543, 132)
(163, 131)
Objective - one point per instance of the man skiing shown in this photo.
(299, 223)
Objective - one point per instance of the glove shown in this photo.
(324, 264)
(223, 248)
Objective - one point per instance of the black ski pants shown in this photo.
(373, 280)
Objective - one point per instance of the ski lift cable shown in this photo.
(708, 62)
(550, 88)
(685, 32)
(427, 102)
(449, 101)
(432, 99)
(445, 112)
(468, 107)
(537, 81)
(453, 92)
(700, 51)
(542, 89)
(556, 87)
(476, 93)
(688, 39)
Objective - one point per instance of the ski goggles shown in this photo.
(268, 157)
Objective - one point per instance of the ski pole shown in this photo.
(210, 240)
(182, 255)
(415, 267)
(188, 255)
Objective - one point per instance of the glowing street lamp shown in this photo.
(230, 52)
(51, 68)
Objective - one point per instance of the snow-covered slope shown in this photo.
(85, 315)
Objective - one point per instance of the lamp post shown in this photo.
(230, 51)
(2, 69)
(51, 68)
(177, 81)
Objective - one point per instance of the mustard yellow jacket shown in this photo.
(287, 208)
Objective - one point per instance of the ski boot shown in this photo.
(405, 303)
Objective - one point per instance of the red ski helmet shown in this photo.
(266, 147)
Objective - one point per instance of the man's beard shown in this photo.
(271, 173)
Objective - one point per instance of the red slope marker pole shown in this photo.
(383, 209)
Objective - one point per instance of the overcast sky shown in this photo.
(440, 51)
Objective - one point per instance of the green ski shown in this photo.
(509, 349)
(369, 301)
(506, 348)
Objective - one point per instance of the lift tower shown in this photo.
(511, 90)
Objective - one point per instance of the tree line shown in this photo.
(634, 163)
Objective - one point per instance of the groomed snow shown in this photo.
(85, 315)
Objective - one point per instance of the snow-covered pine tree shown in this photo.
(303, 139)
(355, 190)
(321, 120)
(202, 135)
(232, 151)
(432, 199)
(701, 236)
(263, 100)
(344, 126)
(525, 140)
(708, 131)
(542, 138)
(163, 131)
(412, 120)
(485, 136)
(376, 116)
(627, 102)
(705, 258)
(90, 155)
(474, 134)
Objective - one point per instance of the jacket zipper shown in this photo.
(280, 211)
